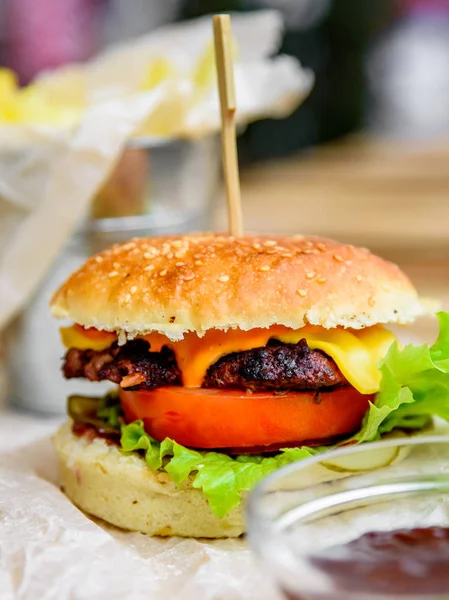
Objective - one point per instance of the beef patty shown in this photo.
(276, 366)
(131, 365)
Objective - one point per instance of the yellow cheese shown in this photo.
(355, 352)
(194, 355)
(86, 339)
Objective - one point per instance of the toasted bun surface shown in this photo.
(122, 490)
(199, 282)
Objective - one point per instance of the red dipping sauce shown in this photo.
(405, 561)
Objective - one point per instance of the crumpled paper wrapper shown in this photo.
(60, 139)
(49, 550)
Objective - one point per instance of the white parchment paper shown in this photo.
(49, 550)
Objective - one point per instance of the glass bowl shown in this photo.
(302, 517)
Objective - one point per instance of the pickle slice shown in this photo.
(84, 409)
(367, 460)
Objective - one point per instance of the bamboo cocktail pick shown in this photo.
(225, 74)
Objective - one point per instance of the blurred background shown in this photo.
(363, 159)
(369, 140)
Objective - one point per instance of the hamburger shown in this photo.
(229, 358)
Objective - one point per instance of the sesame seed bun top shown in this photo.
(198, 282)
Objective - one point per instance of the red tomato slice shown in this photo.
(206, 418)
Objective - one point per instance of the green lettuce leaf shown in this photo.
(414, 388)
(222, 478)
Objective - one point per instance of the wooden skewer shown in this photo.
(225, 73)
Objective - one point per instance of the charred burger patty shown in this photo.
(277, 366)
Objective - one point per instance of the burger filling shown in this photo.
(228, 408)
(277, 366)
(262, 388)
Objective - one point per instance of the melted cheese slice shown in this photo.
(356, 352)
(86, 339)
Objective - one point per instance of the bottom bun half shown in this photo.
(122, 490)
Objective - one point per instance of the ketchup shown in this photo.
(405, 561)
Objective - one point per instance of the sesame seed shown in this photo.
(198, 263)
(135, 251)
(133, 289)
(359, 278)
(189, 276)
(113, 274)
(180, 264)
(269, 243)
(310, 275)
(99, 259)
(127, 297)
(256, 246)
(287, 255)
(170, 255)
(116, 265)
(147, 255)
(271, 251)
(176, 243)
(321, 247)
(302, 293)
(321, 280)
(264, 268)
(149, 268)
(163, 272)
(338, 258)
(308, 251)
(180, 254)
(372, 301)
(223, 278)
